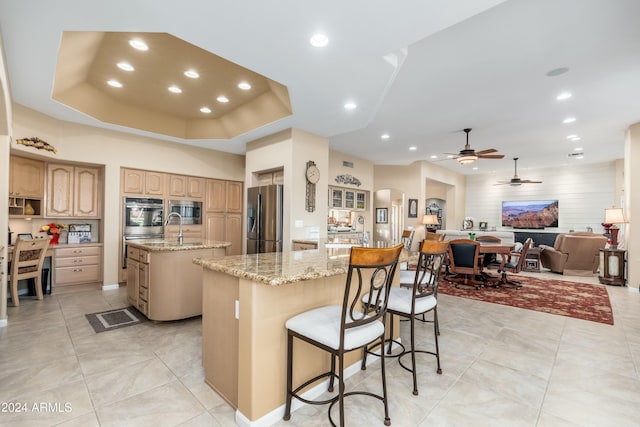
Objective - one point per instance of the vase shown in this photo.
(54, 239)
(28, 209)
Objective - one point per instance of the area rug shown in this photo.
(114, 319)
(578, 300)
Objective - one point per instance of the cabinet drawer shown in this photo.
(144, 293)
(77, 261)
(77, 251)
(133, 253)
(87, 273)
(143, 256)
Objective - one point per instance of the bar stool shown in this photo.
(419, 299)
(339, 329)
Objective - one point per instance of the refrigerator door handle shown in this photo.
(258, 218)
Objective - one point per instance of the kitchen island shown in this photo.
(162, 281)
(246, 302)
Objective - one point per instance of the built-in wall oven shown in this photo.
(142, 219)
(189, 210)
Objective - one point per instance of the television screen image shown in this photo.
(530, 214)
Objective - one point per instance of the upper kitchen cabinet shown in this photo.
(26, 187)
(344, 198)
(189, 187)
(73, 191)
(223, 196)
(142, 183)
(26, 177)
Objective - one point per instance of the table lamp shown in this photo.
(613, 216)
(430, 222)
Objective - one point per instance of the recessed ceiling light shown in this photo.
(125, 66)
(569, 120)
(319, 40)
(576, 138)
(564, 95)
(433, 156)
(450, 156)
(350, 106)
(385, 136)
(475, 168)
(557, 71)
(138, 44)
(580, 157)
(174, 89)
(244, 85)
(114, 83)
(222, 99)
(206, 110)
(578, 149)
(413, 148)
(192, 74)
(572, 136)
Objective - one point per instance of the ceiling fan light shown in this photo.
(467, 159)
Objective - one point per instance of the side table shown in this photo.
(532, 260)
(612, 267)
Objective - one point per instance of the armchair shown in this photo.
(573, 253)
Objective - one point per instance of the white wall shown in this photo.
(632, 204)
(583, 192)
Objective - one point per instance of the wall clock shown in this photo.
(313, 176)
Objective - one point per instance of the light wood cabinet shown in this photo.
(234, 197)
(75, 265)
(192, 232)
(26, 177)
(189, 187)
(133, 280)
(142, 183)
(223, 196)
(303, 246)
(225, 227)
(72, 191)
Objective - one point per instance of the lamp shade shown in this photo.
(430, 220)
(613, 216)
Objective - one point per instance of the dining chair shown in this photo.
(339, 329)
(438, 237)
(420, 298)
(464, 263)
(26, 263)
(489, 258)
(407, 238)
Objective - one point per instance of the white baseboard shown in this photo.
(110, 287)
(3, 323)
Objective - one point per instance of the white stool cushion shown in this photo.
(407, 277)
(323, 325)
(400, 301)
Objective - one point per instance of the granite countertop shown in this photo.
(168, 245)
(280, 268)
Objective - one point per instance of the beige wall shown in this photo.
(632, 204)
(5, 132)
(78, 143)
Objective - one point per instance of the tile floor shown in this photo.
(502, 366)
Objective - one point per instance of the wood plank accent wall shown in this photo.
(583, 192)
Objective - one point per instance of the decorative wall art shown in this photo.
(36, 142)
(348, 179)
(382, 216)
(413, 208)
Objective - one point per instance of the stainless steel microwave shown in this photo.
(189, 210)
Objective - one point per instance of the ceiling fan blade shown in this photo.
(490, 156)
(487, 151)
(528, 181)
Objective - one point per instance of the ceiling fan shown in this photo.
(469, 155)
(515, 181)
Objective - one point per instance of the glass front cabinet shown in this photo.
(344, 198)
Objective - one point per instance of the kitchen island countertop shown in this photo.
(167, 245)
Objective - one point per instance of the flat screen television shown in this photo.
(530, 213)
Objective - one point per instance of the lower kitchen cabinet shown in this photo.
(77, 264)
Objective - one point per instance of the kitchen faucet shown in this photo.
(180, 237)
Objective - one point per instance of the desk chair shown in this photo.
(28, 257)
(339, 329)
(420, 298)
(464, 263)
(514, 266)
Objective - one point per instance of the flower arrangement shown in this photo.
(52, 228)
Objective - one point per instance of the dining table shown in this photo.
(504, 250)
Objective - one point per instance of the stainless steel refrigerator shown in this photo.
(264, 219)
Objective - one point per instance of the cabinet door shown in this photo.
(133, 279)
(195, 188)
(234, 197)
(335, 198)
(86, 192)
(132, 181)
(361, 200)
(233, 233)
(215, 223)
(216, 198)
(26, 177)
(59, 190)
(177, 185)
(349, 199)
(154, 183)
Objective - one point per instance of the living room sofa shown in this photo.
(576, 254)
(506, 237)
